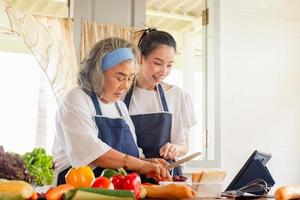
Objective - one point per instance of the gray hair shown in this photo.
(90, 77)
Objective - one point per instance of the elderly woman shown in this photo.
(93, 126)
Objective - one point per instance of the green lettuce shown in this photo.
(40, 166)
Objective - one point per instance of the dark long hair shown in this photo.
(151, 38)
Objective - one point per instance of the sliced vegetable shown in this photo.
(102, 182)
(80, 177)
(98, 194)
(179, 178)
(57, 192)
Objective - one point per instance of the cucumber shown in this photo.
(10, 196)
(118, 193)
(84, 195)
(97, 193)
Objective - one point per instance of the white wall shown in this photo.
(260, 85)
(260, 77)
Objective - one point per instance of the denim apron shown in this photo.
(114, 132)
(153, 130)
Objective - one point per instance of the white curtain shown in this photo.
(92, 32)
(50, 40)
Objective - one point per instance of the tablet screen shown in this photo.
(256, 155)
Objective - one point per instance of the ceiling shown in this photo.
(182, 18)
(172, 15)
(57, 8)
(175, 15)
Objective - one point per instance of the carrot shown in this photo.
(34, 196)
(57, 192)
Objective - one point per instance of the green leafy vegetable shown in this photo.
(40, 166)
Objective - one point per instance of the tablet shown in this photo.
(243, 174)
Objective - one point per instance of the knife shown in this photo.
(175, 164)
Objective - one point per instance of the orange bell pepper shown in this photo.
(80, 177)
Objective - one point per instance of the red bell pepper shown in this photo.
(117, 180)
(131, 181)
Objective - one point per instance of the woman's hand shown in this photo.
(154, 170)
(169, 151)
(160, 161)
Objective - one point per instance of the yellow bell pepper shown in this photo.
(80, 177)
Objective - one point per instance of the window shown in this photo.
(188, 73)
(28, 104)
(195, 68)
(23, 88)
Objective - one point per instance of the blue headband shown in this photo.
(115, 57)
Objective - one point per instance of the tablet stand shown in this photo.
(255, 171)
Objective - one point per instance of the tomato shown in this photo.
(102, 182)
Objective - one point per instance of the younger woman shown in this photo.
(162, 113)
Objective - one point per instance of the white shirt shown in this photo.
(76, 141)
(179, 103)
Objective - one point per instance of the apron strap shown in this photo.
(119, 109)
(96, 103)
(160, 91)
(128, 96)
(162, 98)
